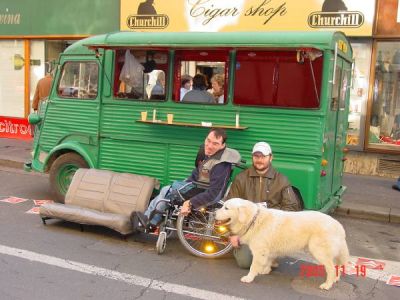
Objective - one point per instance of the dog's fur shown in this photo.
(273, 233)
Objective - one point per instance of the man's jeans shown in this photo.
(243, 256)
(162, 205)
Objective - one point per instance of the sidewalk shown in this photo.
(366, 197)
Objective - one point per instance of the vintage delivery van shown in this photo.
(290, 89)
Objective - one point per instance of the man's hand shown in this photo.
(234, 239)
(186, 208)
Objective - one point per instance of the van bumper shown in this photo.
(28, 166)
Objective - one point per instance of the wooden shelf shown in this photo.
(192, 125)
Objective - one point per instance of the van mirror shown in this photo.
(34, 118)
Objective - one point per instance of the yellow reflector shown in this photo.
(324, 162)
(209, 248)
(222, 229)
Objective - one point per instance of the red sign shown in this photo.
(394, 280)
(371, 263)
(15, 128)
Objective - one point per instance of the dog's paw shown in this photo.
(266, 270)
(325, 286)
(247, 279)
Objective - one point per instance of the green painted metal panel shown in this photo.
(321, 40)
(70, 120)
(58, 17)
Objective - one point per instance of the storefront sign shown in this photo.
(58, 17)
(350, 16)
(9, 18)
(15, 128)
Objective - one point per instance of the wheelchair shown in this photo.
(197, 231)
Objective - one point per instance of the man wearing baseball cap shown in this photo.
(261, 183)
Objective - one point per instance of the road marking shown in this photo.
(391, 267)
(114, 275)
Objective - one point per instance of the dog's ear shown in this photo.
(243, 213)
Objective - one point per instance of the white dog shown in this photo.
(271, 233)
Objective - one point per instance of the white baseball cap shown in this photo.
(262, 147)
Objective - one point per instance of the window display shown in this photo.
(359, 93)
(384, 131)
(12, 65)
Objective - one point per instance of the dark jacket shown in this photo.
(215, 172)
(272, 187)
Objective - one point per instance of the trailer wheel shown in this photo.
(62, 171)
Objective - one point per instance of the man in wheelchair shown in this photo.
(204, 186)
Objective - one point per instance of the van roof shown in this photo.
(278, 39)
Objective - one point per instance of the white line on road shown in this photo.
(114, 275)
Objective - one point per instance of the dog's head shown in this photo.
(236, 213)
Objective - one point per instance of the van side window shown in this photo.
(280, 78)
(201, 76)
(79, 80)
(140, 74)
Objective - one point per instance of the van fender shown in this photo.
(65, 148)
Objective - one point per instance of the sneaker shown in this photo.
(144, 221)
(396, 187)
(153, 229)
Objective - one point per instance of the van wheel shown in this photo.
(62, 171)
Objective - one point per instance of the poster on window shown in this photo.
(350, 16)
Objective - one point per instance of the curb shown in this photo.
(369, 212)
(10, 163)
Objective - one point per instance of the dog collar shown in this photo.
(252, 222)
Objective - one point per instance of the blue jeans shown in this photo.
(161, 205)
(243, 256)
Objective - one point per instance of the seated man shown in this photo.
(213, 168)
(261, 183)
(198, 94)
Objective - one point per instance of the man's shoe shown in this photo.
(396, 187)
(153, 229)
(142, 218)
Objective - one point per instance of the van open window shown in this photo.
(79, 80)
(140, 74)
(200, 76)
(286, 78)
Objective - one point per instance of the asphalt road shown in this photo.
(58, 261)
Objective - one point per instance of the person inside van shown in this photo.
(199, 92)
(217, 90)
(186, 85)
(213, 169)
(158, 90)
(261, 183)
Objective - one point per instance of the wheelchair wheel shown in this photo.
(200, 237)
(161, 242)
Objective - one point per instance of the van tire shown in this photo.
(61, 172)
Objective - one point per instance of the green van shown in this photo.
(112, 94)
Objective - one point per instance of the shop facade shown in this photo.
(374, 120)
(32, 35)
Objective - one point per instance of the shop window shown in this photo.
(359, 93)
(201, 76)
(384, 120)
(278, 78)
(141, 74)
(79, 80)
(12, 70)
